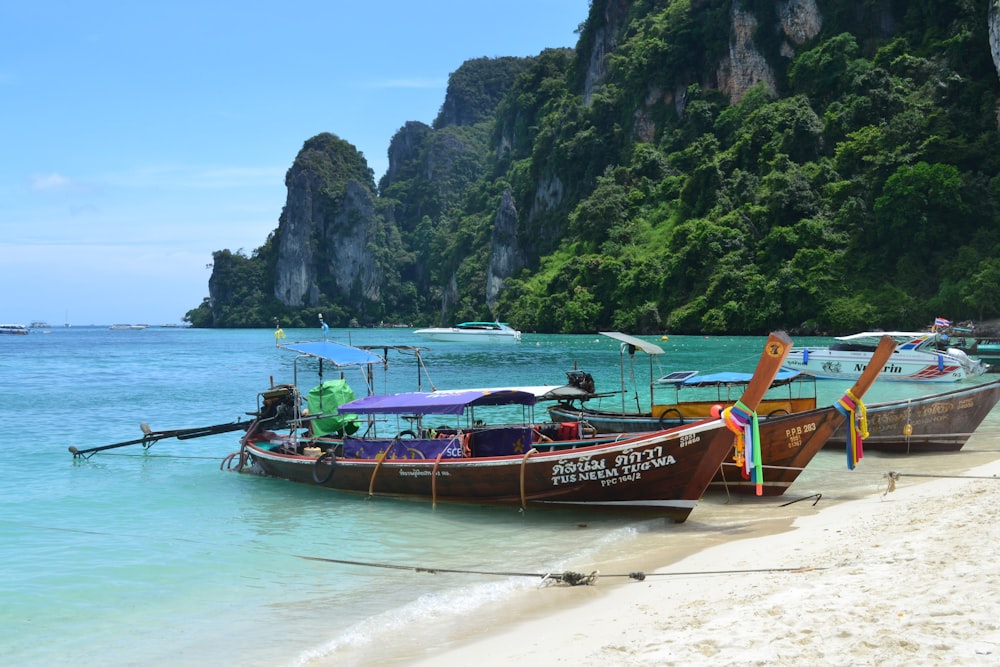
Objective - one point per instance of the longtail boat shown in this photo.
(692, 397)
(788, 442)
(940, 422)
(664, 473)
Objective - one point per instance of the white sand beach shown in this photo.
(895, 578)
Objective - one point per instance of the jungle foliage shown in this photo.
(862, 192)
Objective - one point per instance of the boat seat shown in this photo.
(501, 441)
(402, 448)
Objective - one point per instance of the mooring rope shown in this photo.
(146, 455)
(892, 478)
(568, 577)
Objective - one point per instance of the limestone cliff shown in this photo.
(326, 230)
(524, 149)
(506, 257)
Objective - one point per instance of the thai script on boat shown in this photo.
(630, 456)
(627, 467)
(422, 473)
(584, 464)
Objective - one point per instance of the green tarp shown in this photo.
(324, 399)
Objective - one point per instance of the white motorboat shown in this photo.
(13, 329)
(472, 332)
(918, 357)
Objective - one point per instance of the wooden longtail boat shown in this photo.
(934, 423)
(692, 398)
(663, 473)
(789, 442)
(790, 391)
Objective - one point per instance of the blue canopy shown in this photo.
(336, 353)
(687, 380)
(436, 402)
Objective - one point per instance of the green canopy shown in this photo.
(324, 399)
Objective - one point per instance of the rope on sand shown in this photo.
(568, 578)
(893, 477)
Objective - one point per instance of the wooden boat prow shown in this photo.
(789, 442)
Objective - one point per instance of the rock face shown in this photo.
(744, 66)
(506, 257)
(994, 24)
(405, 148)
(613, 22)
(325, 231)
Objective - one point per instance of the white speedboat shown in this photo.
(13, 329)
(917, 357)
(472, 332)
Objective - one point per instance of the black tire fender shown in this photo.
(328, 454)
(668, 415)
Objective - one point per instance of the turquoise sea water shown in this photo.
(158, 557)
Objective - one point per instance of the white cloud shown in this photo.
(54, 182)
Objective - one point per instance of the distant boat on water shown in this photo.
(128, 327)
(472, 332)
(13, 329)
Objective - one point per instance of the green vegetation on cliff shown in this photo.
(860, 190)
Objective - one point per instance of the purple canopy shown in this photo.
(435, 402)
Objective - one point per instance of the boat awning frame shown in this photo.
(638, 343)
(445, 402)
(692, 379)
(338, 354)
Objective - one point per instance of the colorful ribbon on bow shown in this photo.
(743, 422)
(853, 408)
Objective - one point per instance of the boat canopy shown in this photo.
(692, 379)
(637, 343)
(334, 352)
(544, 392)
(444, 402)
(480, 325)
(894, 334)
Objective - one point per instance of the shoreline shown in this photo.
(889, 578)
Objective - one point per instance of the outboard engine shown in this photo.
(971, 366)
(581, 380)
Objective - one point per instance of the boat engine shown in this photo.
(972, 366)
(581, 380)
(280, 404)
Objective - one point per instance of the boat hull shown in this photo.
(836, 365)
(456, 336)
(934, 423)
(788, 443)
(659, 474)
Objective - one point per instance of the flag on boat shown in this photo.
(941, 322)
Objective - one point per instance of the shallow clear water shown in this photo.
(159, 557)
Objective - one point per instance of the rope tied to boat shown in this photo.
(854, 409)
(743, 422)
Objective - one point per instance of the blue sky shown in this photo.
(136, 138)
